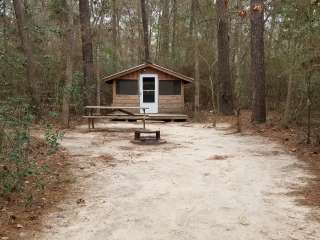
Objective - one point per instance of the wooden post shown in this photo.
(144, 118)
(157, 135)
(136, 135)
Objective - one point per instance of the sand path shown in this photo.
(201, 185)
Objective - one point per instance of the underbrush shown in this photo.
(16, 161)
(33, 171)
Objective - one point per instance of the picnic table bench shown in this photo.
(91, 116)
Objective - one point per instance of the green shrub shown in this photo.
(15, 165)
(53, 138)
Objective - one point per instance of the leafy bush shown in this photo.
(15, 164)
(53, 138)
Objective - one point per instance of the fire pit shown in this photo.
(147, 137)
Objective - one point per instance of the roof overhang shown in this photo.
(148, 65)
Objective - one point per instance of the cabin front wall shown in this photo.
(124, 100)
(172, 103)
(167, 103)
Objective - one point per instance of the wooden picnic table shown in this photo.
(126, 110)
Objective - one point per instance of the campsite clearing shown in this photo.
(202, 184)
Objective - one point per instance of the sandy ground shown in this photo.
(202, 184)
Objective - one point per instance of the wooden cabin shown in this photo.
(159, 89)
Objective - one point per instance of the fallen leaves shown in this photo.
(22, 211)
(257, 7)
(218, 157)
(293, 150)
(81, 201)
(105, 158)
(244, 221)
(19, 226)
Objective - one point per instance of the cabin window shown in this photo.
(170, 87)
(127, 87)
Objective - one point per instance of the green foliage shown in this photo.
(15, 164)
(52, 135)
(53, 138)
(76, 91)
(292, 36)
(57, 8)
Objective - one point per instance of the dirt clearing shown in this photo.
(201, 185)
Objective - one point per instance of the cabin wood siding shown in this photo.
(167, 103)
(172, 103)
(124, 100)
(136, 75)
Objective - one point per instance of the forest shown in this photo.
(259, 58)
(42, 44)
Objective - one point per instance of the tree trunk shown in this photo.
(196, 56)
(174, 30)
(164, 26)
(257, 61)
(196, 78)
(69, 41)
(212, 88)
(287, 111)
(5, 26)
(87, 52)
(237, 55)
(98, 78)
(309, 106)
(115, 50)
(31, 82)
(145, 30)
(190, 47)
(140, 51)
(224, 75)
(4, 74)
(157, 54)
(287, 116)
(191, 23)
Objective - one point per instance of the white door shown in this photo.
(149, 92)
